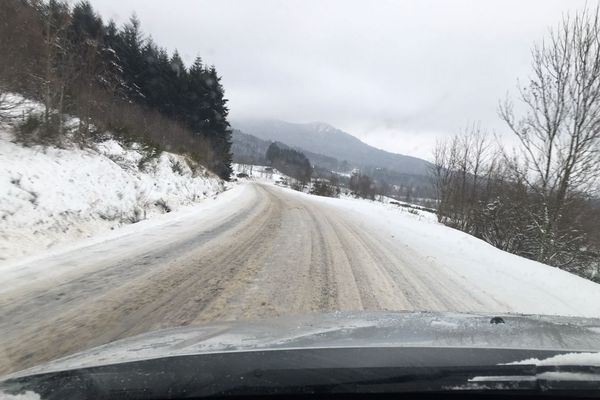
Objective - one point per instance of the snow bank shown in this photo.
(50, 196)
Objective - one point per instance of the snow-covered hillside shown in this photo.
(49, 196)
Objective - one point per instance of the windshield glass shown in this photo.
(276, 174)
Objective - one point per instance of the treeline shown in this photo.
(113, 79)
(539, 201)
(248, 149)
(291, 162)
(362, 185)
(324, 182)
(482, 192)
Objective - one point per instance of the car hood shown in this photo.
(345, 330)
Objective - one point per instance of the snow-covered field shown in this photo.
(51, 196)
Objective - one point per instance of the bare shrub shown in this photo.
(324, 188)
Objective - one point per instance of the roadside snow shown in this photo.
(119, 242)
(51, 196)
(524, 286)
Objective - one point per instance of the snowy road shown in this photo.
(258, 251)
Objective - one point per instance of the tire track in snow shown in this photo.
(269, 253)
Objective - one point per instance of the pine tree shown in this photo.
(218, 124)
(84, 67)
(129, 48)
(85, 23)
(176, 76)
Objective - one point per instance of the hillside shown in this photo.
(113, 78)
(53, 196)
(249, 149)
(324, 139)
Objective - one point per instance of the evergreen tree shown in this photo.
(291, 162)
(176, 86)
(206, 113)
(219, 126)
(129, 48)
(85, 23)
(90, 69)
(152, 79)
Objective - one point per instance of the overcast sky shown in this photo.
(396, 74)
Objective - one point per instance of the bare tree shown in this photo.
(537, 200)
(442, 170)
(56, 71)
(456, 175)
(14, 31)
(559, 130)
(362, 185)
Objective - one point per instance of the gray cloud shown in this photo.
(394, 73)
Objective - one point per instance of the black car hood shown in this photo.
(346, 330)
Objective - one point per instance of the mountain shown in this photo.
(249, 149)
(324, 139)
